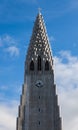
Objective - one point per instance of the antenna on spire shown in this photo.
(39, 10)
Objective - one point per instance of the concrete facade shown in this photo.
(38, 109)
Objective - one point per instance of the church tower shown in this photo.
(38, 109)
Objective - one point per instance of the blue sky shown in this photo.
(16, 23)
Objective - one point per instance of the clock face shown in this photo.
(39, 84)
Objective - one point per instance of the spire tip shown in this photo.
(39, 10)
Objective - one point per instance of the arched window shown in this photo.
(39, 63)
(32, 65)
(47, 65)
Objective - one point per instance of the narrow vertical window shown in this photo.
(39, 109)
(47, 65)
(39, 63)
(39, 122)
(39, 97)
(24, 112)
(32, 65)
(19, 111)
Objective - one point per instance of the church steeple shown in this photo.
(39, 45)
(38, 109)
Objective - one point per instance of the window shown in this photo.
(39, 122)
(19, 111)
(32, 65)
(47, 65)
(39, 63)
(39, 109)
(39, 97)
(22, 122)
(24, 112)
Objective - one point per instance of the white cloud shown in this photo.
(7, 40)
(73, 4)
(3, 87)
(9, 45)
(0, 42)
(66, 76)
(52, 39)
(12, 50)
(8, 116)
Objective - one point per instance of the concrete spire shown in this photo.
(39, 42)
(38, 109)
(39, 10)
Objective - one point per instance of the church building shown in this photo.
(38, 109)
